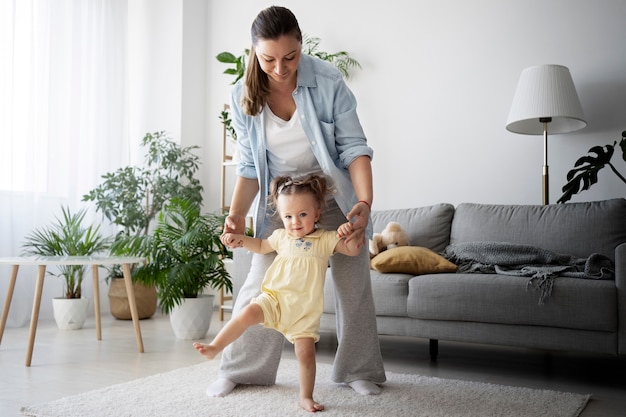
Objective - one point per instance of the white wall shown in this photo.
(155, 70)
(437, 84)
(168, 74)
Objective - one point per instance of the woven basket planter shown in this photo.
(145, 297)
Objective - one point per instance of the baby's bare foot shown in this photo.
(309, 405)
(205, 350)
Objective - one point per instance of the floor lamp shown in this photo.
(545, 98)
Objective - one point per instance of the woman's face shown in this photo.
(279, 58)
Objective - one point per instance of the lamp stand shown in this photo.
(545, 121)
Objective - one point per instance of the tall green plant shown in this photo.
(67, 236)
(132, 196)
(586, 168)
(184, 254)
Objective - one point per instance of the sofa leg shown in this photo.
(434, 349)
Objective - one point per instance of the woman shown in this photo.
(295, 116)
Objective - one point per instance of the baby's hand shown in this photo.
(232, 240)
(344, 230)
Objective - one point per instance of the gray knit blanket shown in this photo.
(540, 265)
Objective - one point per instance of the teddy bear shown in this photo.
(392, 236)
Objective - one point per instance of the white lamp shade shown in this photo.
(545, 91)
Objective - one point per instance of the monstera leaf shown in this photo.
(585, 172)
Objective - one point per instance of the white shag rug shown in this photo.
(181, 393)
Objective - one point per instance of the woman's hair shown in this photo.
(270, 24)
(285, 185)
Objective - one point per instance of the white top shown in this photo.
(71, 260)
(288, 148)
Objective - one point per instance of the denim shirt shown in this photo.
(327, 110)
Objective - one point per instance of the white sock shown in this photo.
(364, 387)
(221, 387)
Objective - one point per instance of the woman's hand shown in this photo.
(359, 218)
(359, 215)
(233, 224)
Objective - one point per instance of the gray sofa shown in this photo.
(585, 315)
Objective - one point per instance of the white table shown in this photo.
(94, 261)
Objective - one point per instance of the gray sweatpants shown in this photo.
(254, 357)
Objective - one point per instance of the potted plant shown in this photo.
(586, 168)
(67, 236)
(184, 257)
(130, 198)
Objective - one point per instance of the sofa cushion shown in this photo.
(578, 229)
(427, 226)
(415, 260)
(491, 298)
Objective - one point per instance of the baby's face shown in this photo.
(299, 213)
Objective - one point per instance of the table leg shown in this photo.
(130, 292)
(35, 315)
(7, 301)
(96, 301)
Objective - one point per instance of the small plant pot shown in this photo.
(70, 313)
(145, 298)
(192, 319)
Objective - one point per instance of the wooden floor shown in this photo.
(73, 361)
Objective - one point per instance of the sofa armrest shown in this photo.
(620, 283)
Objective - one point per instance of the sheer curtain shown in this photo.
(63, 120)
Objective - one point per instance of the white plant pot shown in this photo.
(70, 313)
(192, 319)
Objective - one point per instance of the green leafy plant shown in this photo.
(227, 122)
(586, 168)
(310, 46)
(67, 236)
(342, 59)
(184, 254)
(132, 196)
(238, 63)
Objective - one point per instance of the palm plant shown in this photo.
(342, 59)
(586, 168)
(67, 236)
(184, 254)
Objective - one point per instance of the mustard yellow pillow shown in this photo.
(414, 260)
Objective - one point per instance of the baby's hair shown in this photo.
(313, 184)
